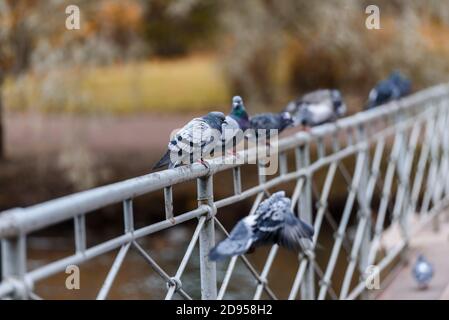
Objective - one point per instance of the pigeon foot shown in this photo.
(204, 163)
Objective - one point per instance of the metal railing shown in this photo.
(394, 160)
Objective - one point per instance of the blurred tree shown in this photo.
(32, 40)
(325, 44)
(253, 47)
(173, 27)
(15, 46)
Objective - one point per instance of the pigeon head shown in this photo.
(396, 76)
(421, 257)
(286, 120)
(237, 102)
(239, 113)
(215, 119)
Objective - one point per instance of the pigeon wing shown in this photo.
(238, 242)
(194, 135)
(265, 121)
(317, 96)
(293, 232)
(229, 130)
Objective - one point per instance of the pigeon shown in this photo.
(272, 223)
(422, 272)
(317, 107)
(394, 87)
(236, 122)
(196, 139)
(270, 121)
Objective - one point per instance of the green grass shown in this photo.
(194, 83)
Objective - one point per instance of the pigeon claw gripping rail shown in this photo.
(392, 163)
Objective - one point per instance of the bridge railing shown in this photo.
(390, 166)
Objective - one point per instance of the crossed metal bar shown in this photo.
(400, 158)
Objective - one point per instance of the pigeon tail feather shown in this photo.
(214, 255)
(165, 160)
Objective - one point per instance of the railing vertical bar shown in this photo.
(283, 164)
(207, 240)
(128, 215)
(14, 262)
(391, 167)
(422, 162)
(342, 227)
(168, 198)
(237, 180)
(80, 233)
(432, 172)
(323, 204)
(363, 233)
(305, 213)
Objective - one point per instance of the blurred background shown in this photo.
(83, 108)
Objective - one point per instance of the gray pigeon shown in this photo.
(394, 87)
(236, 123)
(271, 121)
(422, 272)
(195, 140)
(317, 107)
(272, 223)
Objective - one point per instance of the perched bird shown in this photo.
(194, 140)
(270, 121)
(236, 123)
(394, 87)
(273, 222)
(422, 272)
(317, 107)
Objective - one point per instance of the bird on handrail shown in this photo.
(422, 272)
(237, 121)
(317, 107)
(272, 223)
(394, 87)
(194, 141)
(269, 121)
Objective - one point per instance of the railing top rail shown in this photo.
(22, 220)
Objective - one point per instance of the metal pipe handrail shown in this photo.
(22, 220)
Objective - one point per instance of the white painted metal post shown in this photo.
(14, 261)
(207, 241)
(364, 212)
(305, 213)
